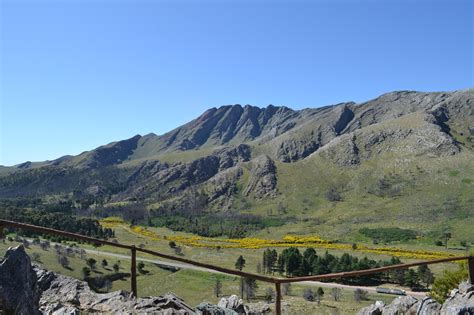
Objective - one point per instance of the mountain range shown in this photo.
(398, 159)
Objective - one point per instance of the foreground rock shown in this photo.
(32, 290)
(233, 305)
(460, 302)
(18, 285)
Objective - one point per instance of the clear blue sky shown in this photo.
(79, 74)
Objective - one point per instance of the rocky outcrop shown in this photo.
(292, 150)
(460, 302)
(233, 305)
(403, 137)
(263, 178)
(233, 302)
(231, 123)
(19, 293)
(206, 308)
(230, 157)
(32, 290)
(222, 186)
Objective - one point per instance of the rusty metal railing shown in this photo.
(276, 281)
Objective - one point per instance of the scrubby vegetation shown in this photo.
(389, 234)
(232, 226)
(54, 215)
(443, 285)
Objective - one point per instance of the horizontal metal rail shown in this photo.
(364, 272)
(277, 281)
(12, 224)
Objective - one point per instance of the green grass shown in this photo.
(196, 286)
(430, 200)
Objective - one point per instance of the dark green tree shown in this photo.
(240, 263)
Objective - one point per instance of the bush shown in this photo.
(86, 272)
(269, 295)
(308, 295)
(443, 285)
(333, 194)
(286, 289)
(389, 234)
(360, 295)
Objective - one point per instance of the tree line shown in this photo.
(55, 220)
(292, 263)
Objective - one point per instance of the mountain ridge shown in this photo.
(245, 159)
(248, 122)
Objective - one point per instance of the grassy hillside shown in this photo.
(429, 195)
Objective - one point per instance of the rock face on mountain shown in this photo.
(460, 302)
(32, 290)
(263, 179)
(234, 152)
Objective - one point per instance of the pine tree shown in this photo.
(240, 263)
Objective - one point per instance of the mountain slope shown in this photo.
(244, 159)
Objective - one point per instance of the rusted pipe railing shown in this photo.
(133, 271)
(276, 281)
(371, 271)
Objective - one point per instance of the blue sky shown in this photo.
(78, 74)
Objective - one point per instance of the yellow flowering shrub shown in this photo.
(286, 241)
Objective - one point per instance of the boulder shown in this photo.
(461, 301)
(400, 305)
(426, 306)
(206, 308)
(232, 302)
(237, 305)
(257, 308)
(374, 309)
(19, 292)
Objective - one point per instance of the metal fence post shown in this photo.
(470, 268)
(133, 271)
(278, 299)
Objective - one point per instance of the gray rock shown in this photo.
(400, 305)
(19, 292)
(257, 308)
(374, 309)
(72, 294)
(263, 178)
(427, 306)
(232, 302)
(237, 305)
(460, 302)
(206, 308)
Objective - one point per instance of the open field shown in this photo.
(197, 286)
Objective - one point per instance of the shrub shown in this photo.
(308, 295)
(360, 295)
(389, 234)
(443, 285)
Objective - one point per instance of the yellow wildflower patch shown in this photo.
(287, 241)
